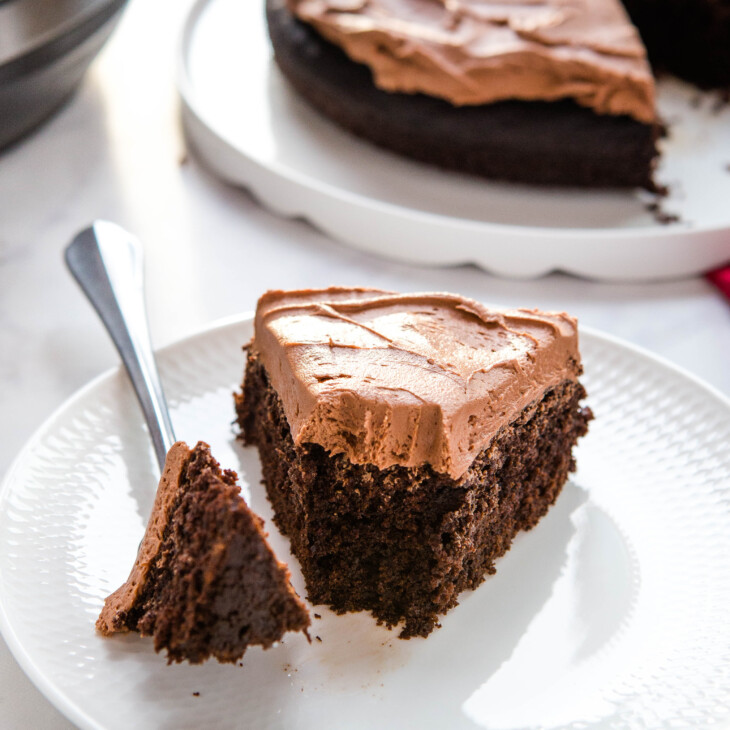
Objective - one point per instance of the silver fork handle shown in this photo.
(106, 261)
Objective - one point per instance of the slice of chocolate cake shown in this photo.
(406, 439)
(205, 582)
(549, 93)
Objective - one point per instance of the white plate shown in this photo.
(252, 130)
(611, 613)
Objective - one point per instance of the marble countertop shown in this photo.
(116, 152)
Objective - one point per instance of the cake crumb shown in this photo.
(318, 639)
(316, 615)
(660, 215)
(722, 100)
(196, 694)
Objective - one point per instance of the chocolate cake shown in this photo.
(546, 92)
(205, 582)
(689, 38)
(406, 439)
(548, 102)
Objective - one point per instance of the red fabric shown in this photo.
(721, 279)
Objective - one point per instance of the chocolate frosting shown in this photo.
(483, 51)
(407, 379)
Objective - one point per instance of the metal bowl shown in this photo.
(45, 48)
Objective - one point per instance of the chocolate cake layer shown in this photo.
(556, 142)
(404, 542)
(205, 582)
(689, 38)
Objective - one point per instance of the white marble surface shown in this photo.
(116, 152)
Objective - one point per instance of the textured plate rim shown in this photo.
(186, 90)
(71, 710)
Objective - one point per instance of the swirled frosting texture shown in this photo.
(483, 51)
(407, 379)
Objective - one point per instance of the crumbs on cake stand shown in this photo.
(718, 100)
(660, 215)
(696, 100)
(722, 100)
(655, 206)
